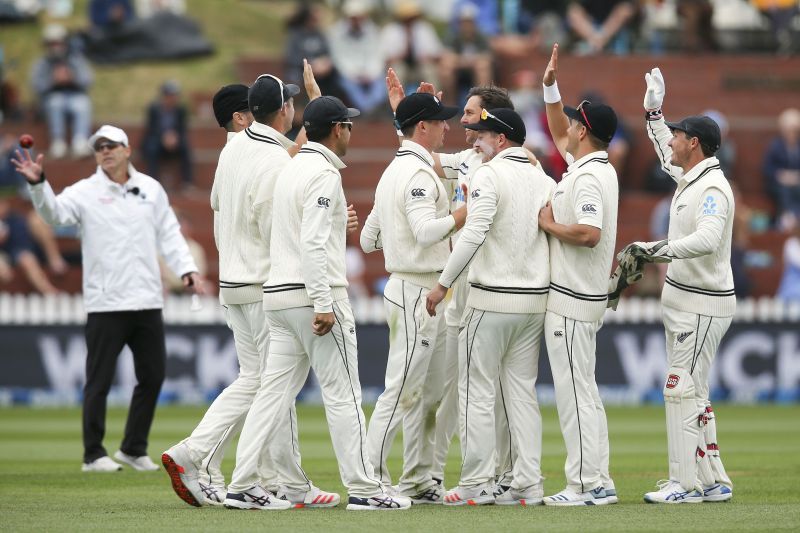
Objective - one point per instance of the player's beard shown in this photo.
(486, 149)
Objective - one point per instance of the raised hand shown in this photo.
(656, 89)
(24, 164)
(312, 89)
(552, 68)
(395, 89)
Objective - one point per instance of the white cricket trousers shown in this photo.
(279, 465)
(334, 357)
(571, 348)
(499, 347)
(413, 387)
(692, 341)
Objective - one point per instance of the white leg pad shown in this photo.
(683, 430)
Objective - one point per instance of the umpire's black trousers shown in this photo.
(106, 335)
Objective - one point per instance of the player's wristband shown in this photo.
(551, 94)
(655, 114)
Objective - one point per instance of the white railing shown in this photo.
(35, 309)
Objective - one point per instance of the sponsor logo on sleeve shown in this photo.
(672, 381)
(323, 202)
(678, 209)
(418, 193)
(709, 206)
(589, 209)
(475, 194)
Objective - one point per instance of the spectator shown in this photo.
(61, 80)
(697, 33)
(727, 151)
(789, 288)
(356, 52)
(602, 24)
(110, 15)
(740, 243)
(166, 135)
(306, 40)
(780, 14)
(467, 61)
(486, 16)
(412, 46)
(9, 95)
(16, 249)
(782, 169)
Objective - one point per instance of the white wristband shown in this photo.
(551, 94)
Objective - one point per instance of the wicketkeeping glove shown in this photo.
(654, 95)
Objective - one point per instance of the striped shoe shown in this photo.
(314, 498)
(469, 496)
(570, 498)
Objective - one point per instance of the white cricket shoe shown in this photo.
(531, 496)
(142, 463)
(611, 493)
(570, 498)
(213, 494)
(256, 497)
(717, 493)
(102, 464)
(431, 495)
(380, 502)
(314, 498)
(671, 492)
(481, 495)
(183, 474)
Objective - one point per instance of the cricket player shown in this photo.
(242, 201)
(411, 223)
(581, 220)
(505, 311)
(310, 318)
(698, 299)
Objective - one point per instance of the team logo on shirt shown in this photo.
(557, 194)
(678, 209)
(709, 206)
(323, 202)
(589, 208)
(672, 381)
(476, 193)
(683, 336)
(417, 193)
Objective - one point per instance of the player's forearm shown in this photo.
(460, 258)
(432, 231)
(574, 234)
(47, 204)
(660, 135)
(705, 240)
(370, 238)
(558, 123)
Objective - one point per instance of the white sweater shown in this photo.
(123, 230)
(410, 219)
(241, 198)
(699, 278)
(587, 194)
(308, 233)
(508, 253)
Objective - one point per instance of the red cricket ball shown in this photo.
(26, 140)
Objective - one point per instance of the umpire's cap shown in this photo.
(501, 120)
(327, 110)
(417, 107)
(702, 127)
(268, 93)
(229, 100)
(599, 119)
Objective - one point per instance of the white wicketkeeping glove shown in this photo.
(654, 95)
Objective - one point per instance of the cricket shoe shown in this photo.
(499, 489)
(431, 495)
(570, 498)
(183, 474)
(102, 464)
(671, 492)
(142, 463)
(529, 497)
(313, 499)
(380, 502)
(717, 493)
(611, 493)
(480, 495)
(213, 494)
(256, 497)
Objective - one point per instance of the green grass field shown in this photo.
(43, 489)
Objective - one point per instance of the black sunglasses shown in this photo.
(110, 145)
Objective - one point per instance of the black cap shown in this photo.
(327, 110)
(501, 120)
(421, 106)
(702, 127)
(265, 94)
(599, 119)
(229, 100)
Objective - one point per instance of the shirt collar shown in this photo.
(600, 154)
(133, 177)
(699, 169)
(514, 151)
(230, 136)
(419, 150)
(263, 129)
(327, 152)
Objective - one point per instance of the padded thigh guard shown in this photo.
(683, 428)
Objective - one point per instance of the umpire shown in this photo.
(126, 222)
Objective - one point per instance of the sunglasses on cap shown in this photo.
(486, 115)
(277, 80)
(99, 147)
(583, 114)
(345, 123)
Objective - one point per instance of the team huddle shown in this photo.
(526, 260)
